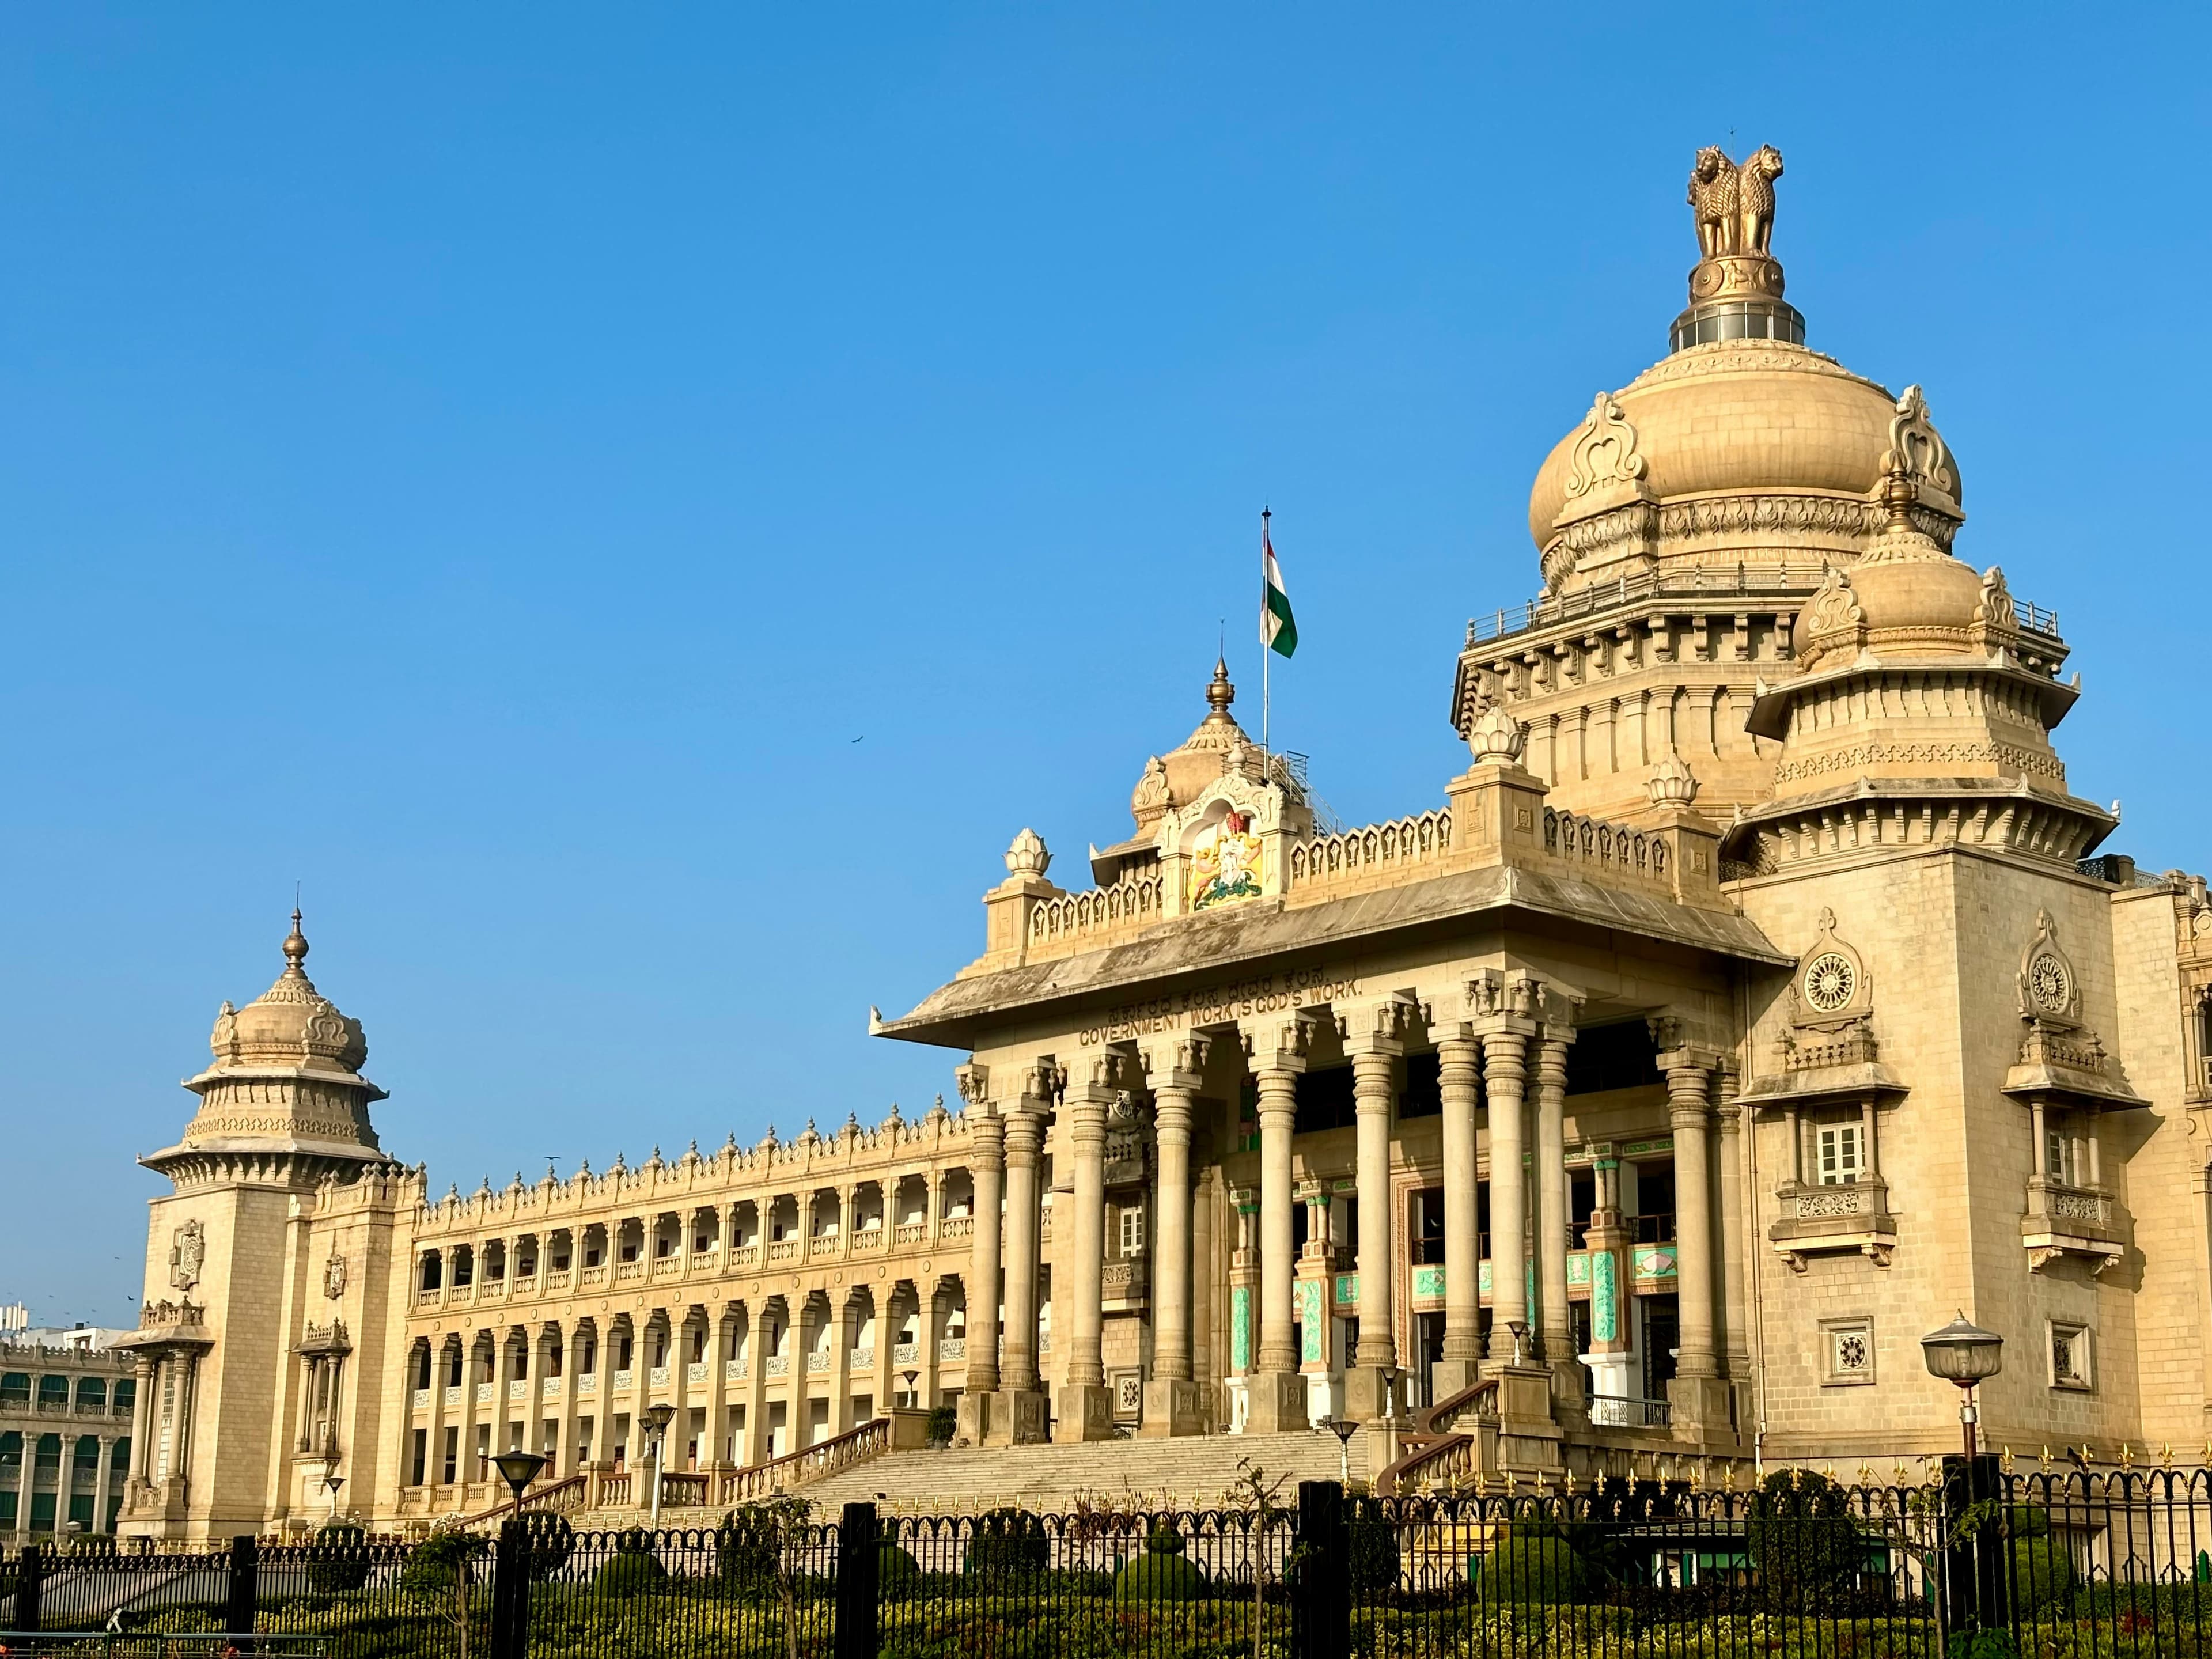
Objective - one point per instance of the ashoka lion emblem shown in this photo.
(1224, 863)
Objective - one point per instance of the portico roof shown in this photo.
(1249, 933)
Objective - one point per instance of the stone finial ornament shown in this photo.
(1915, 448)
(1672, 783)
(1496, 737)
(1604, 451)
(1028, 856)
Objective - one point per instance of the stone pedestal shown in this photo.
(1449, 1377)
(910, 1428)
(1173, 1408)
(1017, 1417)
(1278, 1403)
(1698, 1407)
(1086, 1413)
(1524, 1392)
(1366, 1396)
(972, 1418)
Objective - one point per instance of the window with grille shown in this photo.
(1842, 1154)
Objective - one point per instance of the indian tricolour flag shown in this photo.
(1276, 630)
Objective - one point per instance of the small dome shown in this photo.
(1219, 744)
(290, 1024)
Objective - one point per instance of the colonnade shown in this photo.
(1506, 1056)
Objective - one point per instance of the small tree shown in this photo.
(758, 1545)
(1254, 1494)
(340, 1561)
(442, 1570)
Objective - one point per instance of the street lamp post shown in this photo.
(657, 1420)
(1964, 1354)
(518, 1468)
(1343, 1428)
(1519, 1328)
(913, 1398)
(332, 1481)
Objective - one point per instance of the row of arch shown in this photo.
(910, 1207)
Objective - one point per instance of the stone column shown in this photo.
(722, 1335)
(1457, 1055)
(931, 1309)
(1018, 1419)
(1086, 1408)
(99, 1485)
(141, 1421)
(1608, 1241)
(1244, 1282)
(841, 1364)
(1375, 1053)
(1173, 1402)
(1699, 1398)
(1553, 1319)
(1735, 1319)
(1278, 1394)
(987, 1135)
(571, 1343)
(465, 1459)
(1505, 1053)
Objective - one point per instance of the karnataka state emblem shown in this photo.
(1224, 863)
(187, 1253)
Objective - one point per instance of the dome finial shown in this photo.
(1219, 693)
(295, 942)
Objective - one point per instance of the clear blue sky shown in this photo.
(490, 464)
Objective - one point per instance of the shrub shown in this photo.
(633, 1567)
(442, 1562)
(944, 1423)
(1007, 1543)
(1374, 1549)
(340, 1561)
(1541, 1569)
(548, 1541)
(1800, 1537)
(897, 1572)
(1152, 1577)
(2042, 1569)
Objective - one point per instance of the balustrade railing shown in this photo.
(1131, 902)
(1613, 847)
(1619, 1411)
(1401, 842)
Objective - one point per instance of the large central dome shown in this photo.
(1741, 448)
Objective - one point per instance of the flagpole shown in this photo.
(1266, 771)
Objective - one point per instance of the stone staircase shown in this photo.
(1190, 1473)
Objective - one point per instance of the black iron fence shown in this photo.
(1974, 1564)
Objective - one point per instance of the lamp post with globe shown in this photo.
(1964, 1354)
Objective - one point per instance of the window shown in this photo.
(1132, 1230)
(1847, 1350)
(2060, 1164)
(1840, 1154)
(453, 1455)
(15, 1389)
(2069, 1356)
(419, 1457)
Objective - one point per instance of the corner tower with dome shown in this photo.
(1758, 996)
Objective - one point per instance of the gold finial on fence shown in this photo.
(2166, 1455)
(1728, 1475)
(2042, 1459)
(1797, 1478)
(2005, 1462)
(1866, 1475)
(2127, 1455)
(1570, 1483)
(1828, 1473)
(1482, 1483)
(1512, 1483)
(1897, 1474)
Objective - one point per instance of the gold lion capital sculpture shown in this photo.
(1734, 205)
